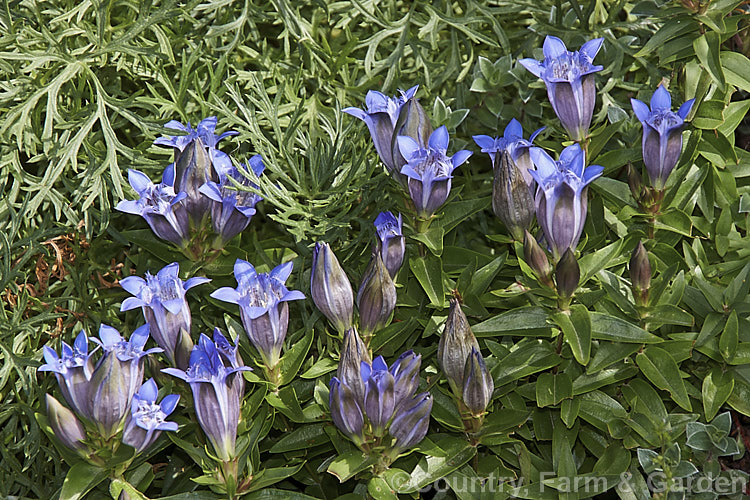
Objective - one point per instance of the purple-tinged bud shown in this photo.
(478, 384)
(382, 119)
(165, 308)
(262, 298)
(635, 183)
(511, 198)
(215, 393)
(147, 417)
(640, 274)
(330, 288)
(346, 411)
(456, 343)
(569, 78)
(411, 422)
(66, 426)
(662, 134)
(117, 378)
(193, 170)
(562, 196)
(73, 371)
(537, 260)
(232, 209)
(429, 170)
(391, 242)
(159, 204)
(405, 371)
(567, 275)
(379, 394)
(376, 299)
(353, 353)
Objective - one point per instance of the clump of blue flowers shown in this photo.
(201, 184)
(106, 398)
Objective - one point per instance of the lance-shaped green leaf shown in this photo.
(662, 370)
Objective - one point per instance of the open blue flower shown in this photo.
(73, 370)
(513, 142)
(561, 199)
(159, 205)
(165, 308)
(217, 392)
(381, 118)
(429, 171)
(569, 77)
(662, 134)
(262, 298)
(117, 377)
(232, 209)
(205, 131)
(147, 417)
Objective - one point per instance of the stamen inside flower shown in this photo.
(158, 198)
(149, 415)
(662, 120)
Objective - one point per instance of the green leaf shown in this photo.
(379, 489)
(594, 262)
(292, 360)
(736, 69)
(523, 321)
(576, 328)
(552, 389)
(118, 485)
(662, 370)
(347, 465)
(530, 358)
(707, 47)
(676, 221)
(673, 28)
(729, 338)
(458, 211)
(301, 438)
(609, 353)
(606, 327)
(429, 272)
(267, 477)
(81, 478)
(430, 469)
(320, 368)
(433, 239)
(717, 387)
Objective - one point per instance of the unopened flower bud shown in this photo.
(511, 196)
(640, 274)
(353, 352)
(330, 288)
(376, 299)
(391, 243)
(456, 343)
(66, 426)
(411, 423)
(537, 259)
(567, 274)
(346, 411)
(412, 122)
(635, 183)
(192, 170)
(478, 384)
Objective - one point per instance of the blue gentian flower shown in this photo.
(197, 161)
(569, 77)
(561, 199)
(263, 306)
(217, 391)
(117, 377)
(165, 308)
(330, 288)
(513, 142)
(231, 209)
(159, 205)
(391, 243)
(73, 370)
(381, 117)
(662, 134)
(205, 131)
(147, 417)
(388, 405)
(430, 170)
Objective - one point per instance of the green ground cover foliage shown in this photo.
(614, 389)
